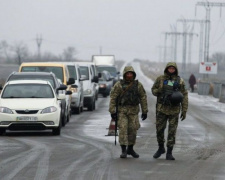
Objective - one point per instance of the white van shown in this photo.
(77, 101)
(96, 76)
(89, 84)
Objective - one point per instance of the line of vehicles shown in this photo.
(44, 95)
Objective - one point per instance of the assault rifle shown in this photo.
(116, 119)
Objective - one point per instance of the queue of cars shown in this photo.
(43, 95)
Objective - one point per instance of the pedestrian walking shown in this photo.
(192, 82)
(172, 97)
(129, 93)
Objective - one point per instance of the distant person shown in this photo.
(130, 93)
(192, 82)
(172, 97)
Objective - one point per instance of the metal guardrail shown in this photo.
(217, 87)
(222, 95)
(203, 88)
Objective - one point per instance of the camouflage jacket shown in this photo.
(157, 90)
(117, 90)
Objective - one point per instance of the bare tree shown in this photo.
(21, 51)
(4, 47)
(69, 53)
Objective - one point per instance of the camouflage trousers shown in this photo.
(161, 122)
(128, 125)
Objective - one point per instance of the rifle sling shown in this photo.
(126, 89)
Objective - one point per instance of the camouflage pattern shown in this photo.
(165, 112)
(172, 128)
(157, 90)
(128, 122)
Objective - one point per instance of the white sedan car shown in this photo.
(30, 105)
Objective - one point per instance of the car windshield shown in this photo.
(110, 69)
(33, 77)
(72, 72)
(84, 71)
(28, 91)
(58, 71)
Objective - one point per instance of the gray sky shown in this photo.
(126, 28)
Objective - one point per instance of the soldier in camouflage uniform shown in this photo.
(169, 106)
(130, 94)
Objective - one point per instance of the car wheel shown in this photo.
(94, 105)
(68, 116)
(2, 131)
(81, 109)
(63, 119)
(57, 131)
(104, 95)
(91, 106)
(77, 110)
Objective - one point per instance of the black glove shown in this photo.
(183, 115)
(143, 117)
(114, 116)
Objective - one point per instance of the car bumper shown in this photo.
(88, 100)
(103, 91)
(43, 121)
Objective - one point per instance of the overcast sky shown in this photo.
(126, 28)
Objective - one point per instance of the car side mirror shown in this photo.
(83, 78)
(74, 86)
(95, 79)
(99, 75)
(62, 87)
(71, 81)
(68, 92)
(111, 78)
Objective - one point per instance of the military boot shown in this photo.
(169, 155)
(130, 151)
(160, 151)
(124, 151)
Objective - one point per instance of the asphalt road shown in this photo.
(83, 152)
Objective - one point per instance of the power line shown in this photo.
(207, 6)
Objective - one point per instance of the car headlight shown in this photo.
(74, 90)
(49, 110)
(87, 92)
(5, 110)
(102, 85)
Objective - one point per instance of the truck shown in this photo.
(103, 60)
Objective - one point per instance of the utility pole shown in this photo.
(207, 6)
(39, 41)
(184, 45)
(174, 43)
(100, 50)
(165, 58)
(165, 48)
(190, 47)
(201, 23)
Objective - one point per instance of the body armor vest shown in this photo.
(169, 86)
(130, 97)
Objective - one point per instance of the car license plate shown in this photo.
(26, 118)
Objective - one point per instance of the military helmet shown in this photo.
(176, 98)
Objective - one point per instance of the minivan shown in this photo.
(89, 85)
(77, 101)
